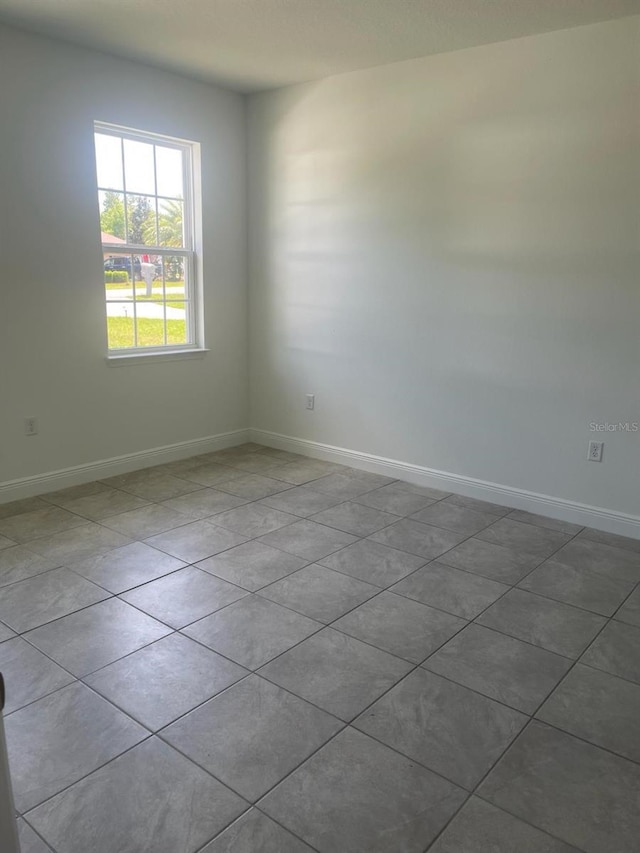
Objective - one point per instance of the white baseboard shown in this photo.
(577, 513)
(40, 484)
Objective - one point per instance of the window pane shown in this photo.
(141, 220)
(119, 271)
(112, 216)
(170, 223)
(177, 332)
(120, 325)
(150, 325)
(169, 171)
(109, 161)
(138, 167)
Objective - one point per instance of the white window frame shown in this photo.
(191, 234)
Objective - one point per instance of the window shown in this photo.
(146, 199)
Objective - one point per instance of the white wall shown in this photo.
(445, 251)
(52, 326)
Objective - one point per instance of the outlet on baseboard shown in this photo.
(595, 451)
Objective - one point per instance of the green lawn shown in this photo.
(150, 332)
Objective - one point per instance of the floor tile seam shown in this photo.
(107, 597)
(85, 522)
(138, 585)
(517, 817)
(146, 502)
(166, 624)
(48, 845)
(537, 524)
(342, 728)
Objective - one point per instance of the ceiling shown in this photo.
(251, 45)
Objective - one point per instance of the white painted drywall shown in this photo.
(52, 326)
(445, 252)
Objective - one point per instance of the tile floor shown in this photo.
(255, 652)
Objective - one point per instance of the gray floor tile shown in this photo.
(252, 631)
(501, 667)
(40, 522)
(617, 563)
(616, 650)
(597, 707)
(184, 596)
(28, 674)
(491, 561)
(575, 586)
(46, 597)
(252, 565)
(461, 593)
(348, 484)
(29, 841)
(395, 500)
(319, 593)
(417, 538)
(59, 739)
(400, 626)
(480, 506)
(301, 500)
(537, 541)
(253, 520)
(252, 735)
(374, 563)
(151, 798)
(195, 541)
(91, 638)
(448, 728)
(71, 493)
(253, 486)
(21, 507)
(480, 827)
(308, 540)
(255, 832)
(630, 610)
(282, 455)
(145, 521)
(460, 519)
(336, 672)
(127, 567)
(424, 491)
(303, 471)
(151, 485)
(356, 795)
(163, 681)
(255, 463)
(545, 521)
(20, 563)
(355, 518)
(624, 542)
(203, 503)
(549, 624)
(78, 544)
(211, 474)
(571, 789)
(104, 503)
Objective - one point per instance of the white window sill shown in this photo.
(154, 357)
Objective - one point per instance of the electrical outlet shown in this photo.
(595, 451)
(30, 426)
(310, 401)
